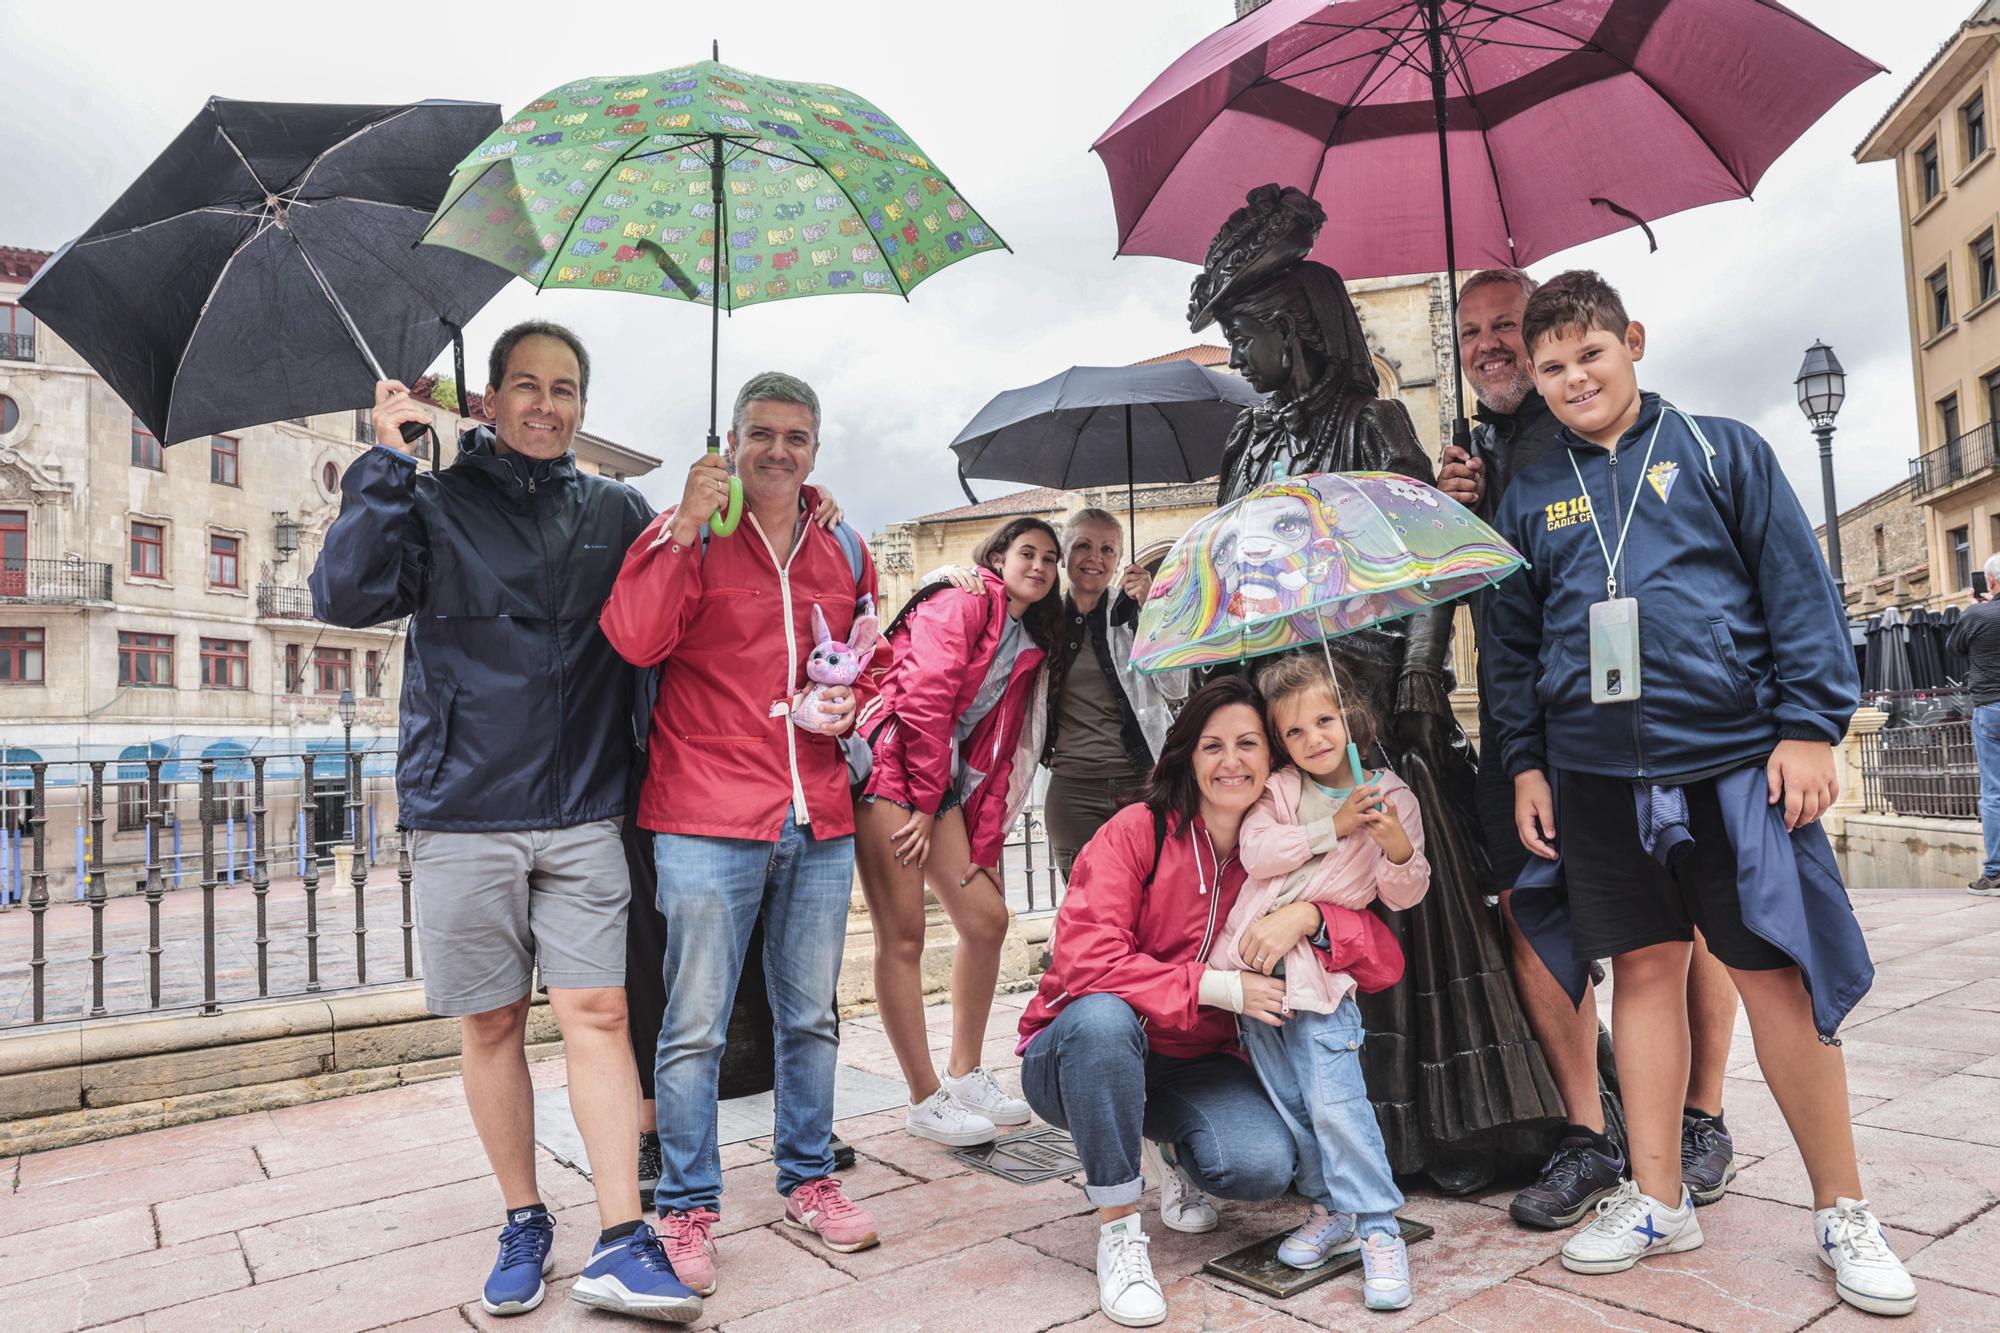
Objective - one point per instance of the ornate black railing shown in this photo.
(17, 347)
(1928, 770)
(284, 601)
(1953, 462)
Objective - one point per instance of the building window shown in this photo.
(149, 544)
(329, 477)
(333, 670)
(132, 807)
(1972, 122)
(1948, 419)
(13, 553)
(223, 561)
(293, 683)
(225, 664)
(222, 460)
(1961, 558)
(1881, 550)
(17, 333)
(1928, 183)
(1985, 280)
(364, 427)
(1940, 285)
(10, 414)
(371, 674)
(20, 654)
(145, 659)
(146, 451)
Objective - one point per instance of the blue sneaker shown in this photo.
(515, 1285)
(632, 1276)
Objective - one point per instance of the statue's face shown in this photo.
(1257, 351)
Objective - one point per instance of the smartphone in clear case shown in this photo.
(1614, 651)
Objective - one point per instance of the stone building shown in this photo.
(1884, 550)
(153, 600)
(1940, 134)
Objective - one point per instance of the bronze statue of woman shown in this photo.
(1450, 1062)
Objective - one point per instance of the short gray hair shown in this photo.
(1486, 277)
(1993, 573)
(1102, 518)
(774, 386)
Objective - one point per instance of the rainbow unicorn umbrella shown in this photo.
(1300, 561)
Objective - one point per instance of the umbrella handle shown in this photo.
(724, 523)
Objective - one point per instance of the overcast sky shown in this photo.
(1006, 99)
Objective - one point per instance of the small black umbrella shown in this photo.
(1100, 425)
(235, 281)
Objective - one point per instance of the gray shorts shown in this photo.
(492, 906)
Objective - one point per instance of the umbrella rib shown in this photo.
(181, 363)
(323, 153)
(161, 222)
(1486, 143)
(223, 130)
(1333, 130)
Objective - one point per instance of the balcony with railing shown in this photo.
(1965, 457)
(284, 601)
(17, 347)
(54, 582)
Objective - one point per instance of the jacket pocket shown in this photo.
(1730, 665)
(1558, 680)
(440, 740)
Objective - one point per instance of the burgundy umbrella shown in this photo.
(1481, 132)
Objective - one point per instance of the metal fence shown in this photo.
(17, 347)
(1926, 770)
(54, 581)
(150, 782)
(284, 601)
(204, 925)
(1954, 460)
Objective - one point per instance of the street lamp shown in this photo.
(1822, 388)
(287, 536)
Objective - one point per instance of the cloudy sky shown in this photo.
(1007, 99)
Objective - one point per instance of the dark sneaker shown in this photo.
(515, 1285)
(631, 1276)
(1708, 1158)
(1986, 886)
(649, 1169)
(843, 1154)
(1574, 1179)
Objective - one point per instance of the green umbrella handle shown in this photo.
(1354, 762)
(724, 523)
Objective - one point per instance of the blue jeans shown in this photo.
(1312, 1068)
(1089, 1072)
(1986, 744)
(712, 890)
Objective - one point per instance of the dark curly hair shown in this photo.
(1171, 788)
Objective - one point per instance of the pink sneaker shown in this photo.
(690, 1249)
(818, 1206)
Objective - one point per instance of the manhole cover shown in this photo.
(1037, 1155)
(1258, 1267)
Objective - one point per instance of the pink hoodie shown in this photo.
(1273, 844)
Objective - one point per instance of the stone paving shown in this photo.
(375, 1211)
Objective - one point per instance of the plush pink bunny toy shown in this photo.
(831, 663)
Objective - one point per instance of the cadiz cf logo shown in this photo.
(1663, 476)
(1563, 513)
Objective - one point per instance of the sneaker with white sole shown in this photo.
(1385, 1273)
(1632, 1225)
(978, 1093)
(1183, 1207)
(1323, 1235)
(1866, 1272)
(942, 1118)
(1127, 1291)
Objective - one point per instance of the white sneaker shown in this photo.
(1323, 1235)
(978, 1093)
(1183, 1207)
(1630, 1226)
(942, 1119)
(1866, 1272)
(1127, 1291)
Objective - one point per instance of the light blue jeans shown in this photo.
(1986, 744)
(712, 890)
(1311, 1067)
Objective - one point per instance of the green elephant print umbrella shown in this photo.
(710, 184)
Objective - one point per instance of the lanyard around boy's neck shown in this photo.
(1611, 556)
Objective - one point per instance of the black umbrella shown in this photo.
(1100, 425)
(235, 281)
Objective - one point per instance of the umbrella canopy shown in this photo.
(1686, 102)
(606, 183)
(1101, 425)
(263, 267)
(1299, 561)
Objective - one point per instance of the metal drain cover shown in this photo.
(1025, 1159)
(1258, 1267)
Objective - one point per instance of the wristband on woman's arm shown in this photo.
(1222, 988)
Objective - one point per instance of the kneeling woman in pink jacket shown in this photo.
(953, 738)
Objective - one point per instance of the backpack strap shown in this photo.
(1159, 845)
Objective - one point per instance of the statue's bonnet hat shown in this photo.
(1273, 230)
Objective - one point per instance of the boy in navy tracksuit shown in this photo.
(1675, 657)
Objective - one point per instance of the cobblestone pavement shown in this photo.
(377, 1210)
